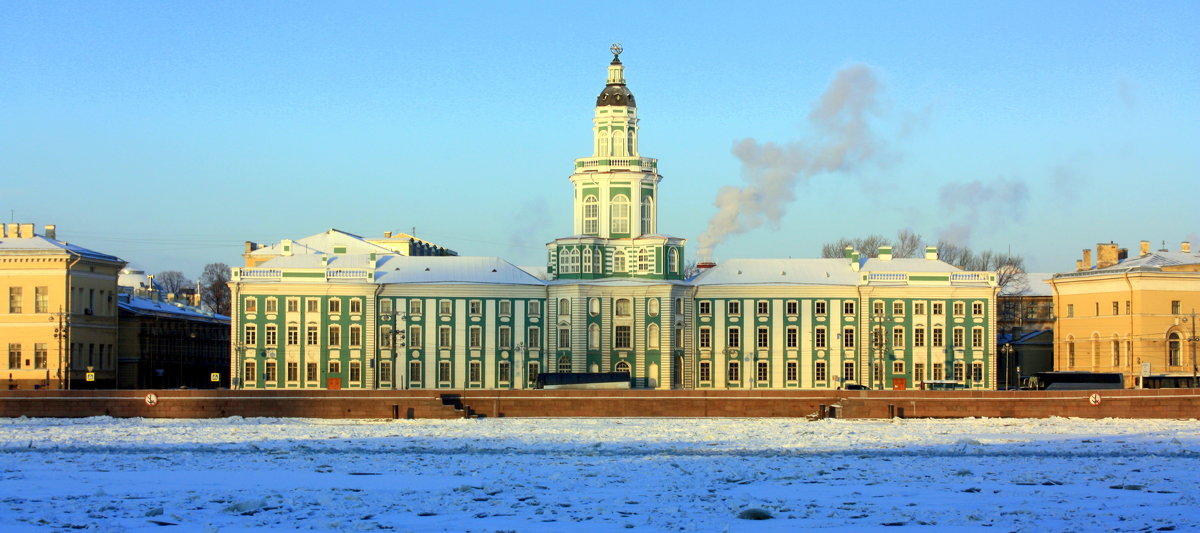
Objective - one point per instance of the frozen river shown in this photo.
(235, 474)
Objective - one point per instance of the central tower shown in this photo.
(615, 205)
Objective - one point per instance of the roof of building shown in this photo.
(324, 243)
(147, 306)
(1151, 262)
(907, 264)
(40, 244)
(779, 271)
(451, 270)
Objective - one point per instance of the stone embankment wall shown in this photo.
(1160, 403)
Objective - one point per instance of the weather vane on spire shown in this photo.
(616, 50)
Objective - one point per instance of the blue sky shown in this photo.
(169, 133)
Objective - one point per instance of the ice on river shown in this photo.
(269, 474)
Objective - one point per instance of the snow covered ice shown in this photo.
(106, 474)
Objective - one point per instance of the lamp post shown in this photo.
(1007, 350)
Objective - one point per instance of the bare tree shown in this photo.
(908, 244)
(171, 281)
(214, 283)
(835, 249)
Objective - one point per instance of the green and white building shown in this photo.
(336, 310)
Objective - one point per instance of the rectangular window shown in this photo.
(250, 372)
(414, 337)
(793, 337)
(335, 367)
(534, 340)
(335, 306)
(356, 336)
(937, 338)
(938, 372)
(475, 337)
(445, 307)
(313, 305)
(735, 338)
(705, 371)
(958, 371)
(919, 337)
(793, 308)
(976, 372)
(959, 308)
(504, 372)
(848, 307)
(919, 308)
(504, 307)
(705, 308)
(763, 337)
(444, 337)
(705, 340)
(293, 305)
(414, 372)
(535, 308)
(385, 306)
(272, 335)
(1128, 307)
(792, 371)
(898, 367)
(819, 308)
(1070, 310)
(897, 337)
(293, 335)
(293, 371)
(848, 371)
(622, 337)
(877, 308)
(250, 336)
(335, 335)
(535, 370)
(475, 372)
(977, 309)
(14, 299)
(310, 372)
(475, 307)
(414, 307)
(820, 371)
(1116, 308)
(385, 371)
(733, 308)
(848, 338)
(877, 371)
(14, 355)
(819, 338)
(897, 308)
(734, 374)
(270, 372)
(958, 337)
(504, 338)
(41, 299)
(763, 308)
(918, 371)
(678, 339)
(355, 372)
(385, 337)
(444, 372)
(938, 308)
(764, 371)
(564, 338)
(977, 338)
(356, 306)
(272, 305)
(39, 355)
(311, 337)
(1175, 306)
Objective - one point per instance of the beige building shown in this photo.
(1134, 315)
(60, 311)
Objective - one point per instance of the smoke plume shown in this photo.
(843, 140)
(967, 204)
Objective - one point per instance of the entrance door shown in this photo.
(899, 383)
(333, 383)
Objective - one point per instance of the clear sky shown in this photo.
(168, 133)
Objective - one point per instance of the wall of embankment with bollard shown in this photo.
(1158, 403)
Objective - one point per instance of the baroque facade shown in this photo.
(339, 311)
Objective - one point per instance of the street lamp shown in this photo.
(1007, 349)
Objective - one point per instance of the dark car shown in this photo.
(855, 386)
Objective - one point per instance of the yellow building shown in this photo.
(1134, 315)
(60, 311)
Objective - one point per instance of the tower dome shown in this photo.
(615, 93)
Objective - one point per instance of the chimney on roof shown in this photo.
(1185, 247)
(286, 247)
(854, 261)
(848, 252)
(26, 231)
(1145, 248)
(51, 232)
(387, 234)
(885, 253)
(250, 246)
(1122, 254)
(1078, 265)
(1087, 259)
(931, 253)
(1106, 254)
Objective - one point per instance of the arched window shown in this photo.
(594, 336)
(672, 260)
(587, 261)
(1116, 351)
(1174, 349)
(652, 337)
(619, 261)
(643, 260)
(1070, 352)
(621, 366)
(564, 307)
(591, 215)
(647, 215)
(598, 260)
(575, 261)
(623, 307)
(618, 144)
(602, 144)
(620, 214)
(632, 137)
(562, 260)
(564, 364)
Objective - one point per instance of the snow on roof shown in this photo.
(42, 244)
(147, 306)
(618, 282)
(779, 271)
(908, 264)
(539, 272)
(451, 270)
(324, 243)
(1152, 261)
